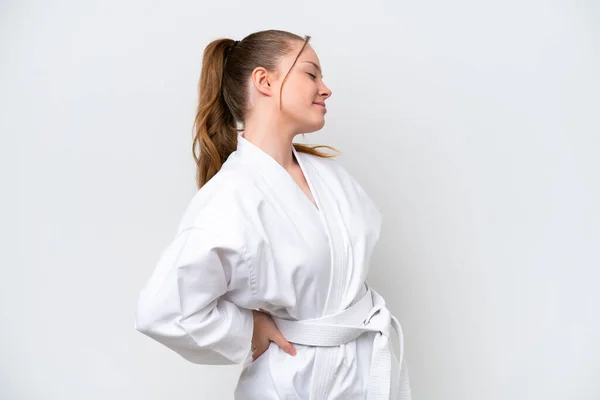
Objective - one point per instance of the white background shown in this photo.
(471, 124)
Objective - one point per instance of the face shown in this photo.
(304, 93)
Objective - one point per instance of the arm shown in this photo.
(182, 304)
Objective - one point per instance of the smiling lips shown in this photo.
(322, 105)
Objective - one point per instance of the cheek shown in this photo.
(297, 104)
(298, 93)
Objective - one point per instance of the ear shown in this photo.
(261, 80)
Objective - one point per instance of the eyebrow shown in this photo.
(316, 66)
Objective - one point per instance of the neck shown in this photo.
(272, 140)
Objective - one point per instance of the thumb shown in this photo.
(279, 340)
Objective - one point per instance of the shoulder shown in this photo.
(333, 171)
(222, 203)
(326, 165)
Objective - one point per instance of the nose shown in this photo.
(325, 93)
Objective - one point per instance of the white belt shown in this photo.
(369, 314)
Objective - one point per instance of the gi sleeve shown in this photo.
(183, 304)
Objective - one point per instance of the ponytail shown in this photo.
(215, 125)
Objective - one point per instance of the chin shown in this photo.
(312, 127)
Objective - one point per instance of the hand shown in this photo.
(265, 332)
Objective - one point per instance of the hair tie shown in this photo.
(227, 53)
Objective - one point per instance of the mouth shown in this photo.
(321, 105)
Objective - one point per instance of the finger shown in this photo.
(279, 340)
(257, 353)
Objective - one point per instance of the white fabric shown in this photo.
(368, 315)
(252, 239)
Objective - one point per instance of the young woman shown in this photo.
(269, 263)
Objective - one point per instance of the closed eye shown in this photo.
(313, 76)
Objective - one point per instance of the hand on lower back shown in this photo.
(265, 332)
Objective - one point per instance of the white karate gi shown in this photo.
(252, 239)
